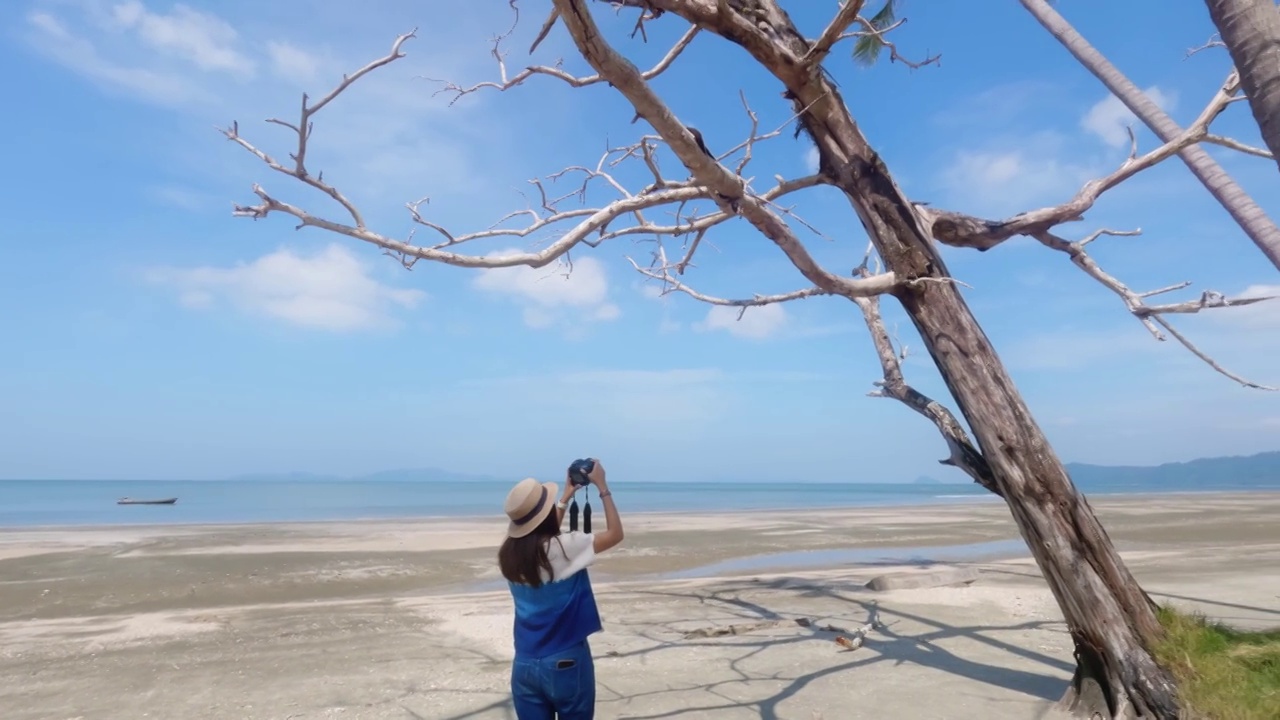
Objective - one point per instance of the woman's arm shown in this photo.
(565, 497)
(612, 534)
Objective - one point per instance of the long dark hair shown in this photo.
(523, 559)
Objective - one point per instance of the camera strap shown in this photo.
(586, 514)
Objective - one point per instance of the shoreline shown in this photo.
(930, 505)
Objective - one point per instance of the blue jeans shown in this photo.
(561, 685)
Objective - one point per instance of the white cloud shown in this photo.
(159, 85)
(1109, 118)
(756, 323)
(204, 40)
(1014, 175)
(553, 295)
(811, 158)
(292, 62)
(384, 140)
(328, 290)
(1259, 316)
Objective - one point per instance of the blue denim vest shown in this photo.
(555, 616)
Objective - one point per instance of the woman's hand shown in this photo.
(596, 476)
(569, 490)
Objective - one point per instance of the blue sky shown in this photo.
(150, 334)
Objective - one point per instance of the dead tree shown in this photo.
(1111, 620)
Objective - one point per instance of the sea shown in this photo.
(34, 503)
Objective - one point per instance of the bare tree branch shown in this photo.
(591, 225)
(731, 191)
(1213, 42)
(870, 30)
(963, 454)
(1150, 315)
(1237, 145)
(661, 269)
(303, 131)
(834, 32)
(555, 71)
(547, 24)
(960, 230)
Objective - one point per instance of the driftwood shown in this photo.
(909, 580)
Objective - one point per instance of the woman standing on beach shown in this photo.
(553, 675)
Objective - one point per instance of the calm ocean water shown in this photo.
(26, 503)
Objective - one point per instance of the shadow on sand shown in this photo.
(883, 644)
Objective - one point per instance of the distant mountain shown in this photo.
(431, 474)
(1258, 470)
(301, 477)
(930, 480)
(1261, 470)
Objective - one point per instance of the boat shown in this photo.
(131, 501)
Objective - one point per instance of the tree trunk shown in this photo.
(1111, 620)
(1251, 218)
(1251, 31)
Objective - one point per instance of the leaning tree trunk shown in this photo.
(1251, 218)
(1111, 620)
(1251, 31)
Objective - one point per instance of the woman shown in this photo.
(553, 675)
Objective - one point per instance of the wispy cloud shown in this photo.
(327, 290)
(757, 323)
(204, 40)
(1008, 166)
(555, 296)
(1110, 120)
(387, 137)
(1008, 175)
(292, 63)
(1263, 316)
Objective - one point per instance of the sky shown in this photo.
(148, 333)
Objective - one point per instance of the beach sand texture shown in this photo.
(404, 620)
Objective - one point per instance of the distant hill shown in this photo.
(1258, 470)
(1240, 473)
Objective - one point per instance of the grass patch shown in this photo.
(1223, 673)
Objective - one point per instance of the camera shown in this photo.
(579, 470)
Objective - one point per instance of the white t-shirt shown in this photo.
(568, 553)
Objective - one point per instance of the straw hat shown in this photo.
(528, 504)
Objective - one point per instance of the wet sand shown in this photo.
(409, 619)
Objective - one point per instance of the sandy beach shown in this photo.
(706, 616)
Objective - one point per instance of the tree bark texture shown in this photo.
(1251, 31)
(1251, 218)
(1111, 620)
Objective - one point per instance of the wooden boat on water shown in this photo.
(131, 501)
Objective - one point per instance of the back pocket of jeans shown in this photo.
(566, 681)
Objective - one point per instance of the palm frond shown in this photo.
(866, 51)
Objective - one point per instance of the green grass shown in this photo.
(1223, 673)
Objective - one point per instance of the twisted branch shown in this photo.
(963, 453)
(961, 230)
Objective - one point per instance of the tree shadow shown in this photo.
(882, 643)
(1219, 603)
(769, 625)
